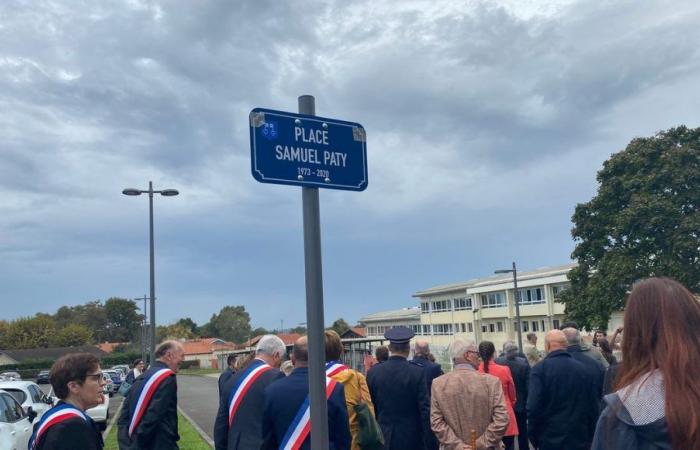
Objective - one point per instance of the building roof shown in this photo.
(396, 314)
(496, 279)
(50, 353)
(288, 339)
(355, 332)
(108, 347)
(209, 345)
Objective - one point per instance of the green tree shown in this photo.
(73, 335)
(340, 326)
(231, 324)
(31, 332)
(93, 315)
(4, 326)
(189, 324)
(644, 221)
(123, 321)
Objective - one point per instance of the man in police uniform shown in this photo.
(399, 392)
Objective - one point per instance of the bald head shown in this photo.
(421, 348)
(300, 352)
(555, 340)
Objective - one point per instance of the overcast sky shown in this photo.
(486, 121)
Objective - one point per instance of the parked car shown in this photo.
(123, 368)
(109, 386)
(10, 376)
(116, 379)
(15, 423)
(29, 395)
(43, 377)
(99, 413)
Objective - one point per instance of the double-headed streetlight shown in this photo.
(516, 297)
(150, 192)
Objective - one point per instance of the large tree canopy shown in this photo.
(644, 221)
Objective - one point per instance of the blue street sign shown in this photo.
(311, 151)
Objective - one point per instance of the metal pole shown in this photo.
(153, 277)
(144, 339)
(314, 304)
(516, 296)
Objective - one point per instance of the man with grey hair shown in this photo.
(465, 400)
(520, 370)
(421, 351)
(531, 352)
(242, 401)
(594, 369)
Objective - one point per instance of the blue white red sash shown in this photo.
(148, 388)
(334, 367)
(301, 425)
(244, 382)
(53, 416)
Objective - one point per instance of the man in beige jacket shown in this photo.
(465, 400)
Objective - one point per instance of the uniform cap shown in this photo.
(399, 335)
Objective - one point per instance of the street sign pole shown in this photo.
(314, 303)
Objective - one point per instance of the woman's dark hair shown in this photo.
(486, 351)
(661, 332)
(137, 361)
(381, 353)
(73, 367)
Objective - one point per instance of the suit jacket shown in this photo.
(561, 404)
(503, 374)
(402, 404)
(283, 399)
(246, 430)
(432, 370)
(465, 400)
(158, 427)
(224, 377)
(594, 369)
(71, 434)
(520, 371)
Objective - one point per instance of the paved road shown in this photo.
(198, 397)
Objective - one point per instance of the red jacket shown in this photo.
(503, 374)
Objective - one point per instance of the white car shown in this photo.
(99, 413)
(28, 393)
(15, 424)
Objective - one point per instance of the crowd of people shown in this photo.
(638, 392)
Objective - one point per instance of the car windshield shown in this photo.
(19, 395)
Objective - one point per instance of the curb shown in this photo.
(197, 428)
(105, 433)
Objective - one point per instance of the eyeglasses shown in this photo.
(96, 376)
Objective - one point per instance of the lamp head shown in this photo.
(503, 271)
(131, 191)
(169, 192)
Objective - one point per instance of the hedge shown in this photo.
(31, 368)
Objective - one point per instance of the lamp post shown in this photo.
(516, 296)
(150, 192)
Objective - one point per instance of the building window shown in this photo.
(463, 327)
(555, 324)
(483, 328)
(516, 327)
(531, 296)
(470, 327)
(543, 327)
(426, 329)
(442, 305)
(424, 307)
(525, 327)
(492, 328)
(558, 289)
(415, 328)
(494, 300)
(442, 328)
(499, 326)
(535, 326)
(372, 331)
(463, 303)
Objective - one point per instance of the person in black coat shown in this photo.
(399, 392)
(594, 369)
(520, 370)
(77, 381)
(284, 399)
(228, 372)
(421, 350)
(245, 429)
(136, 371)
(561, 404)
(157, 428)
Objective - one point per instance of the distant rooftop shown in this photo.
(496, 279)
(396, 314)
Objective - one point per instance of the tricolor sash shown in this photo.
(55, 415)
(301, 425)
(243, 384)
(148, 388)
(334, 367)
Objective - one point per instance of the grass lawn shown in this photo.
(194, 371)
(189, 438)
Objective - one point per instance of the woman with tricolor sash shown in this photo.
(354, 383)
(78, 383)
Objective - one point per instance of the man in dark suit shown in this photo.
(561, 404)
(228, 372)
(595, 370)
(399, 392)
(421, 350)
(285, 400)
(520, 370)
(149, 413)
(242, 398)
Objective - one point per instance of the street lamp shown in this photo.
(150, 192)
(516, 296)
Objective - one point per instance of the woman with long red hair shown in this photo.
(657, 400)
